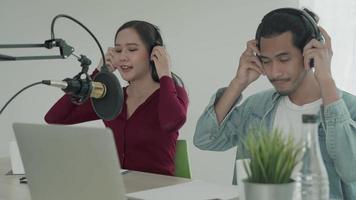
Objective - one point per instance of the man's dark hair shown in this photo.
(301, 23)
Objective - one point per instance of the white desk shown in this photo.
(11, 189)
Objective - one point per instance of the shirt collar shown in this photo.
(276, 95)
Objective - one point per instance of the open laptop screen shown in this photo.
(69, 162)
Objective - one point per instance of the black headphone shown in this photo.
(305, 15)
(308, 20)
(154, 73)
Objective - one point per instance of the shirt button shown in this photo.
(212, 137)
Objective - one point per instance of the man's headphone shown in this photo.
(304, 15)
(309, 19)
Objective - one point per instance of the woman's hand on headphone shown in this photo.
(109, 58)
(161, 60)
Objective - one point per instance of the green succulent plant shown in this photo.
(272, 156)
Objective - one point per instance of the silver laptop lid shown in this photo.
(71, 163)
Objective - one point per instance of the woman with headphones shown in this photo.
(155, 101)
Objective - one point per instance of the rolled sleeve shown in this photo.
(341, 138)
(209, 135)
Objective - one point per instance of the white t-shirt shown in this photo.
(288, 116)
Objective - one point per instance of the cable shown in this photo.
(7, 103)
(53, 38)
(83, 26)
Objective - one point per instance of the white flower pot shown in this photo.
(258, 191)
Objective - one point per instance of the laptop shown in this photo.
(69, 162)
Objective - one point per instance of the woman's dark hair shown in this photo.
(151, 37)
(301, 23)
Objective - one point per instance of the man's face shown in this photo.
(282, 62)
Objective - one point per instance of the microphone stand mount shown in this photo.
(64, 49)
(107, 107)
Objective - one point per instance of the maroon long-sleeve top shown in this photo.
(147, 140)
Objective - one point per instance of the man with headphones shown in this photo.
(295, 55)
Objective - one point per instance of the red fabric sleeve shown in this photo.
(173, 105)
(66, 112)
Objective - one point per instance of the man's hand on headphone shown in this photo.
(321, 52)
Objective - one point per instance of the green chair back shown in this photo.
(181, 160)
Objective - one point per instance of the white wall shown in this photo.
(205, 39)
(342, 32)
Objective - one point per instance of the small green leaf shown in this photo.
(272, 156)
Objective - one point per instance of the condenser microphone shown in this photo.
(76, 87)
(104, 91)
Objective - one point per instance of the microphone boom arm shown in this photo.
(104, 90)
(64, 49)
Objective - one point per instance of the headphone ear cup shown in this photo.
(257, 36)
(312, 19)
(154, 71)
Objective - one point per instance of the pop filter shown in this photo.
(109, 106)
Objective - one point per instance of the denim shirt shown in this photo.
(336, 130)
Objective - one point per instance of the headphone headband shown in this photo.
(302, 14)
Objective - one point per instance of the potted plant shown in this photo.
(272, 160)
